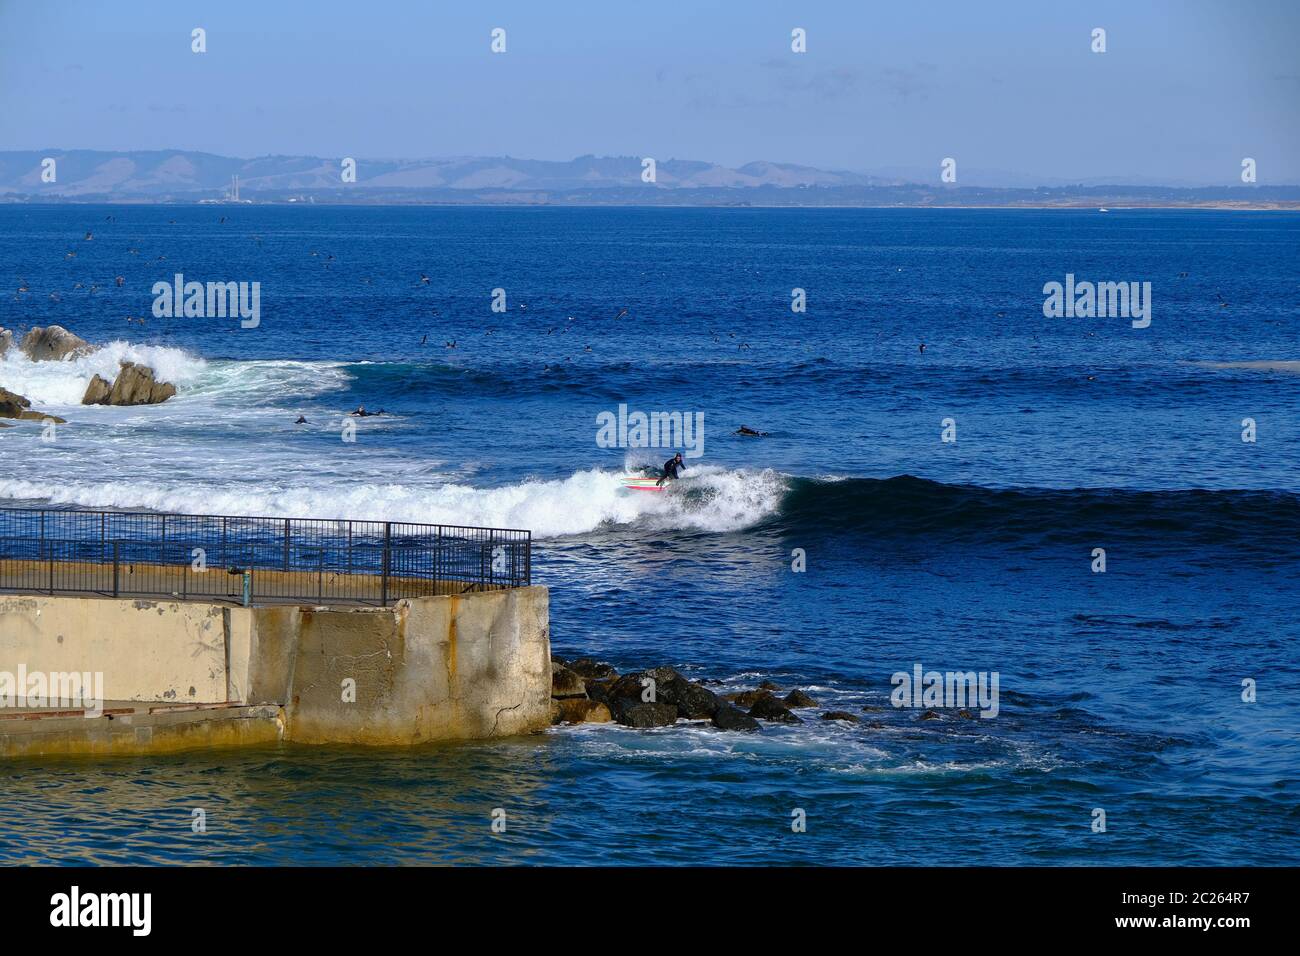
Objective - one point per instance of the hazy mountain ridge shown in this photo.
(153, 174)
(187, 176)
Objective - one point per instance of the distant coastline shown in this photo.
(1292, 205)
(183, 177)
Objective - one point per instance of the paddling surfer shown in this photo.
(671, 467)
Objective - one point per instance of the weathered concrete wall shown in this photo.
(443, 668)
(146, 650)
(431, 668)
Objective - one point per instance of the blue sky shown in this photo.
(1183, 93)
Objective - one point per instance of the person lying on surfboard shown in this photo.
(671, 467)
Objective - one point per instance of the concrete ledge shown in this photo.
(137, 729)
(430, 668)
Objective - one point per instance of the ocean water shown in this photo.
(1120, 691)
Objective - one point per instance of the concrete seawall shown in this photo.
(426, 669)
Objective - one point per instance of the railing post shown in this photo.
(117, 548)
(388, 541)
(286, 544)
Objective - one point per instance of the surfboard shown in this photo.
(634, 483)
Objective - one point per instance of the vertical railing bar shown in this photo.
(383, 588)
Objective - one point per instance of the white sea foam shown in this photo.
(715, 500)
(199, 453)
(219, 385)
(64, 383)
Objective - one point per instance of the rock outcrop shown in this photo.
(15, 406)
(587, 691)
(135, 385)
(727, 717)
(770, 708)
(580, 710)
(591, 669)
(6, 341)
(748, 698)
(53, 343)
(641, 714)
(565, 683)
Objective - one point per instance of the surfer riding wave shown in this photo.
(671, 467)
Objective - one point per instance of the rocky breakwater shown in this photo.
(585, 690)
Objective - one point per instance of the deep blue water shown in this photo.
(1120, 691)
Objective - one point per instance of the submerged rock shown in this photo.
(748, 698)
(135, 385)
(727, 717)
(840, 715)
(797, 698)
(769, 708)
(53, 343)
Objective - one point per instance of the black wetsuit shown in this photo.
(670, 469)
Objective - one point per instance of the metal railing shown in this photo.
(225, 557)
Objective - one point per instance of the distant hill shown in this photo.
(183, 176)
(176, 173)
